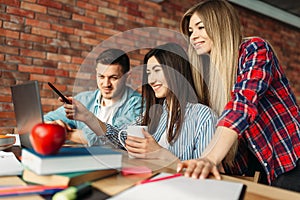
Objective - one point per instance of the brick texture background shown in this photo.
(50, 40)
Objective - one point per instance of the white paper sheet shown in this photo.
(183, 188)
(9, 164)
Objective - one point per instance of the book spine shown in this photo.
(66, 164)
(31, 161)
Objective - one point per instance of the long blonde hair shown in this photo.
(216, 74)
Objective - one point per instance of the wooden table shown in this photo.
(115, 184)
(254, 191)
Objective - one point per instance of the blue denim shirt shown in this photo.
(127, 112)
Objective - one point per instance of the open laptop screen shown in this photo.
(28, 109)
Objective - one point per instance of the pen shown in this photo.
(160, 179)
(73, 192)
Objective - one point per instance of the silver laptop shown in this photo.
(28, 109)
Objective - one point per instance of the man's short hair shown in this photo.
(114, 56)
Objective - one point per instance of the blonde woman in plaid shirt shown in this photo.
(248, 89)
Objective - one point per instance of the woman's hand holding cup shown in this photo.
(139, 142)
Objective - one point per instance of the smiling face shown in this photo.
(156, 78)
(198, 36)
(111, 81)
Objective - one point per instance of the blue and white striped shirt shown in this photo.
(197, 130)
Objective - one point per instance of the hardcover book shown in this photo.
(67, 179)
(72, 159)
(6, 141)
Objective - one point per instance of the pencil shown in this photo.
(160, 179)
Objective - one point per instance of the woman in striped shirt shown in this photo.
(250, 92)
(178, 125)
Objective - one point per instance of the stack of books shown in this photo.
(6, 141)
(71, 166)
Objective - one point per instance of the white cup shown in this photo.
(132, 131)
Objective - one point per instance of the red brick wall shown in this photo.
(49, 40)
(284, 39)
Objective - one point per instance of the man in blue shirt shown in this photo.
(113, 102)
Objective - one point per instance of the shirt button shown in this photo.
(265, 164)
(253, 146)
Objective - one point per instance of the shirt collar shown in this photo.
(120, 101)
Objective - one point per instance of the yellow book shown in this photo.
(67, 179)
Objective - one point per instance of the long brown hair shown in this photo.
(222, 26)
(177, 71)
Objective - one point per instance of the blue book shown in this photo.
(72, 159)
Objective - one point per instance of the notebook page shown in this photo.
(184, 188)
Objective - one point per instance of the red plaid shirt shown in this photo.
(263, 111)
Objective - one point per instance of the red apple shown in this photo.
(47, 139)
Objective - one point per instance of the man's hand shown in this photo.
(77, 111)
(69, 130)
(76, 136)
(61, 123)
